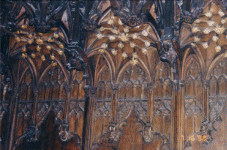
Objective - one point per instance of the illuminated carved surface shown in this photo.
(47, 45)
(131, 100)
(217, 97)
(125, 41)
(209, 29)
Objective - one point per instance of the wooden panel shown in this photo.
(162, 108)
(102, 109)
(217, 105)
(193, 105)
(139, 101)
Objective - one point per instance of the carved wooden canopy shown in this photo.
(113, 74)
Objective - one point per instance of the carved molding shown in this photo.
(132, 13)
(75, 60)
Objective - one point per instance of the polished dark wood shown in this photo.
(113, 74)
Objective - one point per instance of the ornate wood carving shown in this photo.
(122, 74)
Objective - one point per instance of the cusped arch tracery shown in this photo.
(132, 92)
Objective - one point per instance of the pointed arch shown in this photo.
(50, 67)
(213, 64)
(189, 58)
(128, 64)
(108, 59)
(162, 67)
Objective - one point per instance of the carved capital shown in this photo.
(181, 83)
(114, 86)
(206, 84)
(93, 90)
(150, 87)
(86, 88)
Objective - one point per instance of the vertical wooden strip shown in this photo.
(35, 105)
(150, 105)
(114, 105)
(181, 116)
(206, 100)
(14, 116)
(88, 112)
(174, 119)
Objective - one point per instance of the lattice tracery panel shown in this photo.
(51, 93)
(193, 104)
(162, 105)
(25, 98)
(102, 110)
(217, 90)
(132, 93)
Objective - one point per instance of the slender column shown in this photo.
(64, 133)
(174, 120)
(89, 109)
(14, 116)
(206, 85)
(35, 103)
(114, 103)
(176, 96)
(150, 105)
(67, 105)
(180, 115)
